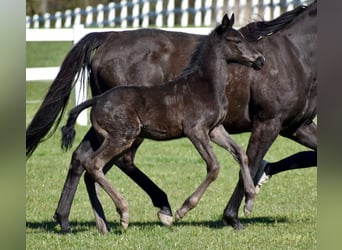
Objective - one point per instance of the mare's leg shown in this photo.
(70, 186)
(262, 136)
(220, 136)
(304, 159)
(126, 164)
(200, 139)
(306, 135)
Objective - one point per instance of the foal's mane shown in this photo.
(197, 55)
(258, 30)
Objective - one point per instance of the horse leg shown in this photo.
(263, 135)
(158, 196)
(221, 137)
(70, 186)
(306, 135)
(100, 218)
(126, 164)
(94, 166)
(69, 189)
(201, 141)
(304, 159)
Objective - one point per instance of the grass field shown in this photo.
(285, 215)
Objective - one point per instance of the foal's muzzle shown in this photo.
(258, 63)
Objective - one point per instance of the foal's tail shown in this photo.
(68, 131)
(56, 99)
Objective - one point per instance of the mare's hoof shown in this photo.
(235, 223)
(65, 226)
(167, 220)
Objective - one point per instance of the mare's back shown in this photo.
(144, 56)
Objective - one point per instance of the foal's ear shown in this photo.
(226, 23)
(232, 20)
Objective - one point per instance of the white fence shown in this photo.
(162, 13)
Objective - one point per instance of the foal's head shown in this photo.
(234, 46)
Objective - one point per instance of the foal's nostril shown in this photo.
(259, 62)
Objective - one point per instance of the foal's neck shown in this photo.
(213, 67)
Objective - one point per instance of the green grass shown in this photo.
(285, 214)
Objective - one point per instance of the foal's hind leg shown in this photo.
(200, 139)
(126, 164)
(94, 166)
(158, 196)
(100, 218)
(220, 136)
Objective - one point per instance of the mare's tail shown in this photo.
(68, 131)
(56, 99)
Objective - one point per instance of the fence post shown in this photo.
(135, 14)
(159, 9)
(208, 12)
(36, 21)
(46, 20)
(219, 11)
(171, 13)
(100, 15)
(145, 13)
(185, 13)
(77, 13)
(111, 14)
(80, 91)
(198, 13)
(68, 19)
(123, 14)
(89, 18)
(58, 22)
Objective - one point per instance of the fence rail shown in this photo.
(162, 13)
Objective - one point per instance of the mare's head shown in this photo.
(235, 48)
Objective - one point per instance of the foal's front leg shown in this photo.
(201, 140)
(221, 137)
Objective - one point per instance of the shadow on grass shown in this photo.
(81, 226)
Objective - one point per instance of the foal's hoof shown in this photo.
(179, 216)
(167, 220)
(124, 224)
(124, 220)
(248, 208)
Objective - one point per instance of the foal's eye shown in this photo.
(238, 41)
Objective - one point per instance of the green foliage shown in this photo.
(285, 215)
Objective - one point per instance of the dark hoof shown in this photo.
(64, 223)
(235, 223)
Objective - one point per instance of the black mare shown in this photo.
(193, 106)
(277, 100)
